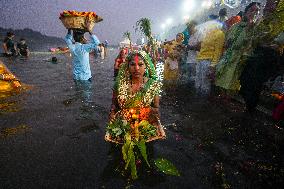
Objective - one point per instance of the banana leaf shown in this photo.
(144, 25)
(129, 157)
(166, 167)
(142, 147)
(132, 164)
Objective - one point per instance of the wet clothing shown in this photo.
(80, 53)
(10, 45)
(23, 49)
(186, 36)
(212, 47)
(208, 56)
(230, 67)
(202, 82)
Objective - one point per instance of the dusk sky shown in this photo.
(119, 15)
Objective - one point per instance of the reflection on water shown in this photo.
(83, 94)
(6, 107)
(7, 101)
(7, 132)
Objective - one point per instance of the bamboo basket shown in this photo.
(78, 22)
(160, 135)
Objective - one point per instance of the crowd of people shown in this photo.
(231, 56)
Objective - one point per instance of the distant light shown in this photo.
(186, 17)
(188, 5)
(169, 21)
(163, 26)
(207, 4)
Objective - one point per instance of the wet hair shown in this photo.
(10, 34)
(78, 35)
(251, 5)
(54, 59)
(223, 12)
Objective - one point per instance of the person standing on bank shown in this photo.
(80, 51)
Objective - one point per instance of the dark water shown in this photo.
(52, 135)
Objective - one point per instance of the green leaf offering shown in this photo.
(129, 157)
(166, 167)
(142, 147)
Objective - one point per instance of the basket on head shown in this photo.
(77, 20)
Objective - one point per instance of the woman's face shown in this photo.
(122, 53)
(137, 67)
(179, 37)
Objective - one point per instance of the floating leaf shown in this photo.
(166, 167)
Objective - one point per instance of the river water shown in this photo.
(52, 134)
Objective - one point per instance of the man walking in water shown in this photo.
(80, 52)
